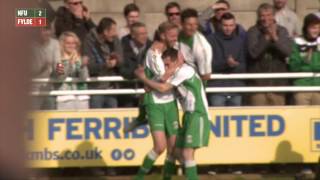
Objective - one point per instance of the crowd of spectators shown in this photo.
(77, 47)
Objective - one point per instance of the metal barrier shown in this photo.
(208, 90)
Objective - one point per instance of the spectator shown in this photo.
(191, 40)
(173, 12)
(132, 14)
(135, 46)
(286, 17)
(269, 46)
(229, 54)
(210, 19)
(75, 66)
(75, 17)
(306, 58)
(105, 55)
(46, 51)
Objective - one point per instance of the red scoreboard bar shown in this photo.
(31, 17)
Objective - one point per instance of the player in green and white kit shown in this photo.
(196, 124)
(195, 49)
(161, 108)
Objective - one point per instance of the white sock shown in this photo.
(190, 163)
(153, 155)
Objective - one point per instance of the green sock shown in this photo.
(147, 164)
(169, 169)
(191, 170)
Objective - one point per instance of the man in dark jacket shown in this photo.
(229, 56)
(135, 46)
(75, 17)
(269, 46)
(105, 53)
(210, 18)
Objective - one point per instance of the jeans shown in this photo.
(101, 101)
(225, 100)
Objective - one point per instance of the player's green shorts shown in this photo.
(195, 131)
(163, 117)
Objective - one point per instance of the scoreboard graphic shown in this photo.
(31, 17)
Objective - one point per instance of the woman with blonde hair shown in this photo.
(75, 66)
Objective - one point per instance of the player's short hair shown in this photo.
(136, 25)
(171, 5)
(164, 27)
(130, 8)
(188, 13)
(172, 53)
(105, 23)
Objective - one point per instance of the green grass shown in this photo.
(202, 177)
(229, 177)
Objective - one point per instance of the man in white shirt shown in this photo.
(192, 41)
(286, 17)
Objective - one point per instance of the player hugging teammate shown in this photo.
(164, 73)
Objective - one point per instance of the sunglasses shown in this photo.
(174, 14)
(75, 3)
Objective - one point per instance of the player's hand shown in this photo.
(139, 72)
(181, 59)
(206, 77)
(147, 88)
(158, 46)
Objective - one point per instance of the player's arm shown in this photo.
(205, 63)
(154, 62)
(161, 87)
